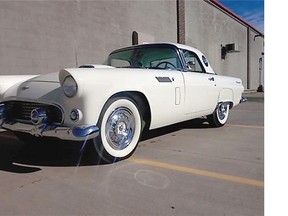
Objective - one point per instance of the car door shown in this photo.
(200, 87)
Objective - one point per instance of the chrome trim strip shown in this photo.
(163, 79)
(75, 133)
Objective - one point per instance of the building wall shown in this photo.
(39, 37)
(208, 28)
(256, 44)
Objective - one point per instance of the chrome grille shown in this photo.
(21, 111)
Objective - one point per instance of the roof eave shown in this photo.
(237, 17)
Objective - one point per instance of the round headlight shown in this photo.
(69, 86)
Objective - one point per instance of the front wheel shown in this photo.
(220, 115)
(120, 125)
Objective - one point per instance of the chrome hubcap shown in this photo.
(120, 128)
(222, 111)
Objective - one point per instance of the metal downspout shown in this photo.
(248, 57)
(180, 21)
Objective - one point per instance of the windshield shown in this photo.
(146, 57)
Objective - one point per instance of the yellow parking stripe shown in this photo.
(246, 126)
(235, 179)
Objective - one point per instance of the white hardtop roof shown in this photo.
(180, 46)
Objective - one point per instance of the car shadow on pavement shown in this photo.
(9, 148)
(17, 157)
(198, 123)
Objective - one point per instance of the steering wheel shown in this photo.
(166, 65)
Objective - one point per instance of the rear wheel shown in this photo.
(220, 115)
(120, 125)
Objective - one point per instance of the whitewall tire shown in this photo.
(120, 125)
(220, 115)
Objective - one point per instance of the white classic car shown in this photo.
(139, 87)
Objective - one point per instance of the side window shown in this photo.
(192, 62)
(169, 63)
(120, 59)
(161, 58)
(120, 63)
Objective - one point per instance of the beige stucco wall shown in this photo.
(39, 37)
(207, 28)
(256, 44)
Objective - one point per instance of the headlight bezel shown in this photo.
(69, 86)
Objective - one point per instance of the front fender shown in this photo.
(96, 86)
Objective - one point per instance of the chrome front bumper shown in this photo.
(41, 127)
(76, 133)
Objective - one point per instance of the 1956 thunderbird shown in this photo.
(139, 87)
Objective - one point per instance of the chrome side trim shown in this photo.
(75, 133)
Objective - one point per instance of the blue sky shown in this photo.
(251, 11)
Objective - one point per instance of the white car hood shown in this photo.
(52, 77)
(43, 87)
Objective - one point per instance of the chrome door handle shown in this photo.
(211, 78)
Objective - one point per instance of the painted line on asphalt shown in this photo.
(242, 110)
(215, 175)
(246, 126)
